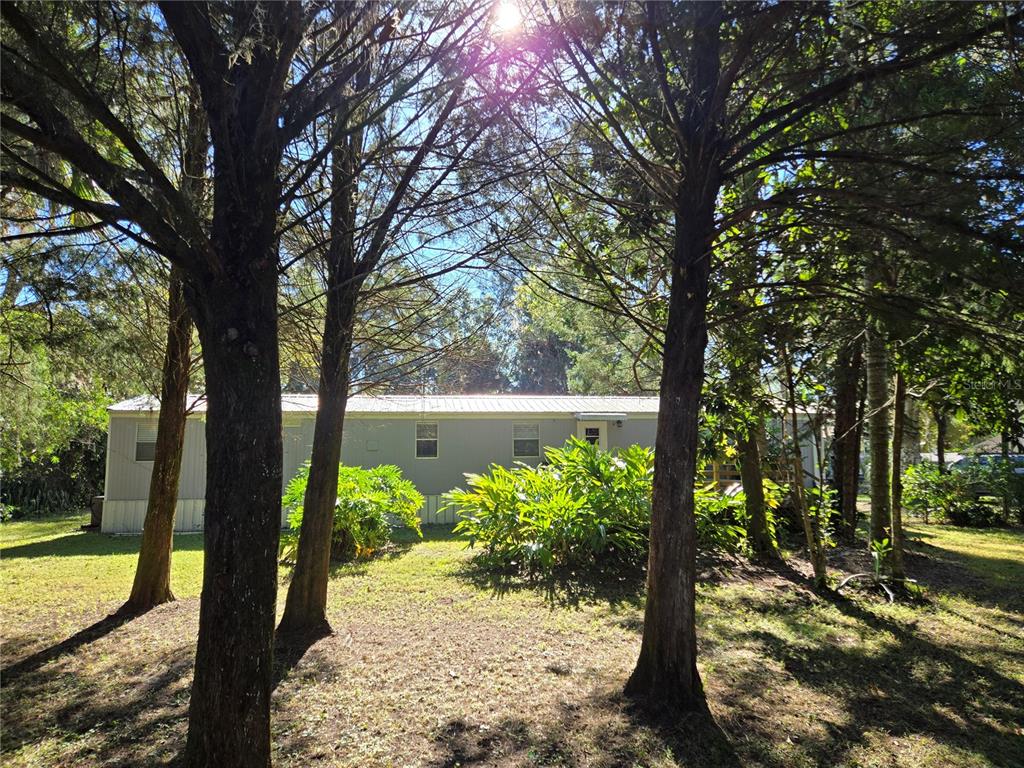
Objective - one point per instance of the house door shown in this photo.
(594, 432)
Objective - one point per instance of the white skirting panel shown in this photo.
(433, 513)
(127, 516)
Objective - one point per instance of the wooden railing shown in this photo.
(724, 474)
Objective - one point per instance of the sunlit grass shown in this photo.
(433, 660)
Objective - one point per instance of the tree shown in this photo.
(672, 117)
(878, 407)
(350, 260)
(848, 430)
(240, 57)
(152, 583)
(812, 521)
(898, 421)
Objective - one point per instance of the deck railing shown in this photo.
(725, 474)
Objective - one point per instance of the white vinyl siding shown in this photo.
(426, 440)
(145, 441)
(525, 441)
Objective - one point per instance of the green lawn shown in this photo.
(434, 664)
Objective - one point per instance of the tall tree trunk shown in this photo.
(941, 425)
(229, 711)
(1004, 452)
(666, 670)
(306, 605)
(762, 544)
(152, 585)
(666, 673)
(234, 306)
(911, 432)
(811, 523)
(305, 611)
(878, 430)
(898, 420)
(846, 446)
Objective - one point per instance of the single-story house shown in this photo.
(433, 439)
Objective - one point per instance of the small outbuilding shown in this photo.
(433, 439)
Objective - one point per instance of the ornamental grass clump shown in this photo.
(371, 504)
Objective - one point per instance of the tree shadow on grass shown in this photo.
(604, 730)
(40, 658)
(911, 687)
(565, 588)
(289, 648)
(960, 573)
(98, 710)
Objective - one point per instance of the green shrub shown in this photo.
(581, 507)
(370, 504)
(954, 497)
(721, 520)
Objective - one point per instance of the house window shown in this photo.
(592, 435)
(426, 440)
(526, 441)
(145, 442)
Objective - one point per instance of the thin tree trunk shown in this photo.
(898, 420)
(152, 584)
(306, 605)
(811, 523)
(911, 432)
(666, 673)
(846, 446)
(878, 430)
(305, 611)
(1004, 451)
(762, 544)
(941, 425)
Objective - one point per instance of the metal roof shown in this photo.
(409, 405)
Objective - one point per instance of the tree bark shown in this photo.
(666, 675)
(878, 430)
(234, 305)
(911, 432)
(762, 544)
(666, 670)
(941, 425)
(1004, 453)
(306, 605)
(846, 446)
(898, 421)
(152, 584)
(229, 711)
